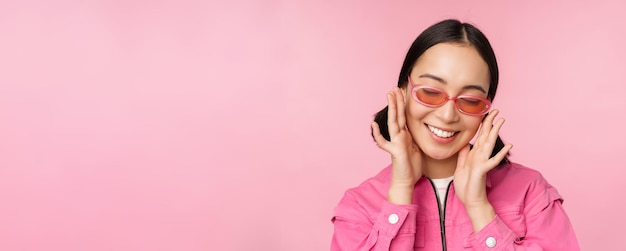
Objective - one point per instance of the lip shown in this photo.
(439, 139)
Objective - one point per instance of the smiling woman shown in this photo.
(440, 192)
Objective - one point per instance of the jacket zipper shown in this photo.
(442, 214)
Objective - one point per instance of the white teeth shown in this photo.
(440, 133)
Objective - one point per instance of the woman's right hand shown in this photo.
(406, 157)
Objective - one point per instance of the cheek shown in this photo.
(415, 111)
(473, 124)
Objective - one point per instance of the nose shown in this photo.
(447, 112)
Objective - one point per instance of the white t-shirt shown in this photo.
(441, 187)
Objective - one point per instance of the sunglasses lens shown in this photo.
(430, 96)
(434, 97)
(472, 105)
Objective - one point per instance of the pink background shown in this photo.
(238, 125)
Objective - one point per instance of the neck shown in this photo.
(438, 169)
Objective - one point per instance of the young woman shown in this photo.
(440, 192)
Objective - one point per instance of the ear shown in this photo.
(406, 88)
(407, 94)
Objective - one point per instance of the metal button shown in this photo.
(491, 242)
(393, 218)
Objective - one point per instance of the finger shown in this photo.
(401, 105)
(489, 142)
(392, 112)
(493, 134)
(486, 126)
(500, 156)
(378, 137)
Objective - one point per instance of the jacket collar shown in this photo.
(487, 180)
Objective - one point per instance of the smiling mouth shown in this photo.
(440, 133)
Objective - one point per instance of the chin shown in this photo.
(439, 154)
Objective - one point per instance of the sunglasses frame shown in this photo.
(415, 87)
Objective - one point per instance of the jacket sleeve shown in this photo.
(547, 228)
(393, 228)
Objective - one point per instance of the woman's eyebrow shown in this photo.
(440, 80)
(433, 77)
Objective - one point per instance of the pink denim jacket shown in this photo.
(529, 216)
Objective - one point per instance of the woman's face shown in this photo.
(457, 69)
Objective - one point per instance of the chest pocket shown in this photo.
(514, 218)
(420, 232)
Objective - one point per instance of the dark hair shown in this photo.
(448, 31)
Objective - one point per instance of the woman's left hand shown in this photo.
(471, 171)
